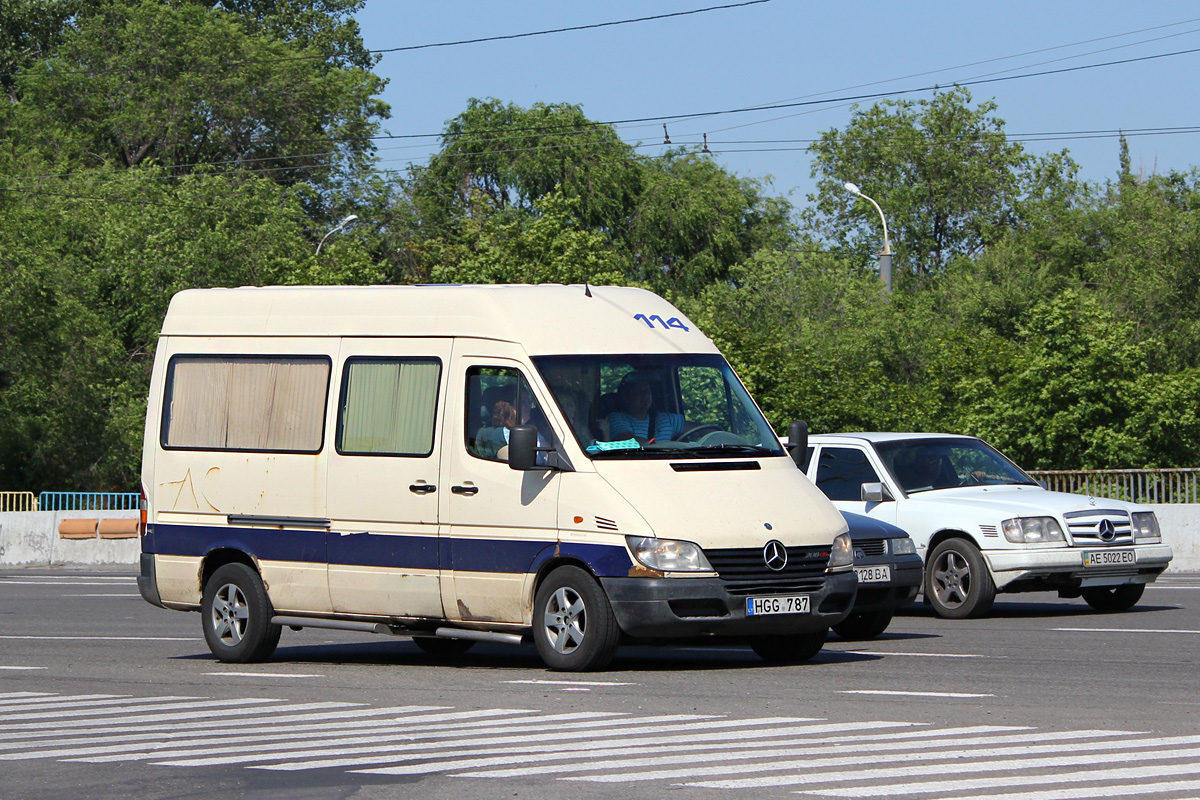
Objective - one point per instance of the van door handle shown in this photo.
(422, 488)
(467, 490)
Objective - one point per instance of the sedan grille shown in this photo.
(1099, 527)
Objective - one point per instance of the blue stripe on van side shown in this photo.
(375, 550)
(272, 544)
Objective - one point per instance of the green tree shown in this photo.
(947, 177)
(182, 85)
(1077, 393)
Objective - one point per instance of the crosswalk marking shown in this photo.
(805, 756)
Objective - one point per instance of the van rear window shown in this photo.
(246, 403)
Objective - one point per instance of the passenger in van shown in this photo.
(637, 417)
(492, 439)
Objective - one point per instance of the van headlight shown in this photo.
(1145, 527)
(1032, 530)
(903, 547)
(842, 552)
(668, 555)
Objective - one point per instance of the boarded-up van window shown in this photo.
(389, 406)
(272, 403)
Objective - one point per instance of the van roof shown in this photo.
(545, 319)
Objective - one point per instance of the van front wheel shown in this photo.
(236, 614)
(573, 623)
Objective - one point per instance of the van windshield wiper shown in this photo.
(756, 449)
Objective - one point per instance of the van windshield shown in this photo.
(921, 465)
(657, 406)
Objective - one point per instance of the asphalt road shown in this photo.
(105, 696)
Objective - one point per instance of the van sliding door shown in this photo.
(383, 477)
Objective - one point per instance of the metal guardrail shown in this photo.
(18, 501)
(1180, 485)
(88, 501)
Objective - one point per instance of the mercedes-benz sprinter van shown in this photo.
(577, 466)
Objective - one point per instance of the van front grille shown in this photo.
(745, 570)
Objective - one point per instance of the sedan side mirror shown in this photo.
(875, 493)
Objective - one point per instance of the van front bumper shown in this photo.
(683, 607)
(1063, 567)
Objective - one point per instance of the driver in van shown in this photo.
(634, 419)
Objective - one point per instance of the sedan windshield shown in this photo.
(920, 465)
(657, 406)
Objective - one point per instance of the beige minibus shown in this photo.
(569, 465)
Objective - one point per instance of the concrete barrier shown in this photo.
(33, 538)
(46, 538)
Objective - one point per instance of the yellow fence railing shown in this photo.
(18, 501)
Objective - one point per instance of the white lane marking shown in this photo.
(964, 763)
(21, 696)
(132, 707)
(915, 655)
(266, 674)
(1089, 775)
(672, 743)
(1123, 630)
(369, 730)
(388, 752)
(575, 683)
(109, 638)
(92, 701)
(893, 744)
(22, 728)
(109, 594)
(239, 730)
(150, 729)
(900, 693)
(23, 668)
(524, 757)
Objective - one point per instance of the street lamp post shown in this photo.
(343, 223)
(885, 258)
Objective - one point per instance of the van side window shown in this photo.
(388, 406)
(246, 403)
(841, 472)
(497, 399)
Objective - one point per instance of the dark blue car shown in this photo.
(889, 576)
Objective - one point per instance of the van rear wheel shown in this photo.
(236, 615)
(573, 623)
(793, 648)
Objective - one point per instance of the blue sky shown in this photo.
(789, 51)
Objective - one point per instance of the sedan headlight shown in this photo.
(1145, 527)
(1032, 530)
(902, 547)
(842, 552)
(668, 555)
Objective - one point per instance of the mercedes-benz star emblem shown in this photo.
(775, 555)
(1107, 530)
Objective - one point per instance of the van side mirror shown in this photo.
(522, 447)
(875, 493)
(798, 440)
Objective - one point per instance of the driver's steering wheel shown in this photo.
(694, 434)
